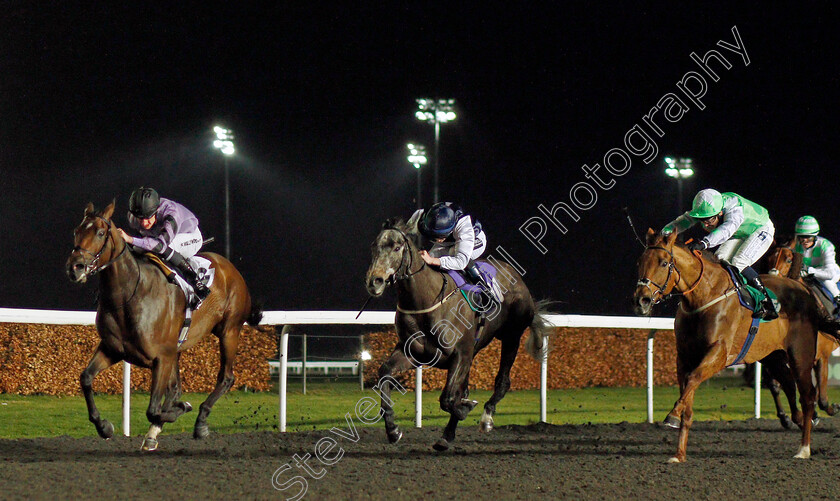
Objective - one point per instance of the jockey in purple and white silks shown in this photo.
(457, 241)
(818, 255)
(167, 229)
(742, 229)
(457, 238)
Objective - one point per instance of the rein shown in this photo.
(93, 267)
(712, 302)
(430, 309)
(396, 278)
(672, 268)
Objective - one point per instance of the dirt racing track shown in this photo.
(727, 460)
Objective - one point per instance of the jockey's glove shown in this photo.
(698, 245)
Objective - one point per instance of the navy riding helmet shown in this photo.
(144, 203)
(440, 220)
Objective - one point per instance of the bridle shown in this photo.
(659, 294)
(397, 277)
(93, 267)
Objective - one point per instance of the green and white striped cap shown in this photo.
(807, 225)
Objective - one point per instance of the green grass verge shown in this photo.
(327, 401)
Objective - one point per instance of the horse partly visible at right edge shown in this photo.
(783, 261)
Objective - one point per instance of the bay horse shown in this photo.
(435, 326)
(784, 261)
(711, 326)
(140, 315)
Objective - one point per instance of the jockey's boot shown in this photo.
(478, 279)
(767, 310)
(183, 265)
(836, 306)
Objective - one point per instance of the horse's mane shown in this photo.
(660, 240)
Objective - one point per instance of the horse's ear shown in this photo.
(109, 210)
(651, 236)
(411, 224)
(89, 210)
(671, 238)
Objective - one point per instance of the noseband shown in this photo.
(659, 293)
(92, 267)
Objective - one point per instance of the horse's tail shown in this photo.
(256, 314)
(540, 330)
(829, 326)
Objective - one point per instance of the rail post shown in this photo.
(284, 363)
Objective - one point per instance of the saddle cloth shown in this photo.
(822, 294)
(750, 297)
(488, 273)
(203, 271)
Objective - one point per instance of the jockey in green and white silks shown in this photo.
(742, 229)
(818, 256)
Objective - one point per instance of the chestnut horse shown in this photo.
(711, 326)
(140, 315)
(783, 261)
(436, 327)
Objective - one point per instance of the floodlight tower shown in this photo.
(224, 143)
(435, 112)
(417, 158)
(679, 169)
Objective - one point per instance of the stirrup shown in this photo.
(201, 290)
(766, 313)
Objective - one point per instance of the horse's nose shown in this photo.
(375, 285)
(643, 305)
(75, 269)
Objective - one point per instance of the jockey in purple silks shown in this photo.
(167, 229)
(457, 241)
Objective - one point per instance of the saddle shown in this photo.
(160, 263)
(749, 297)
(205, 274)
(478, 290)
(825, 302)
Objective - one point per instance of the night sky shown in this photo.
(96, 101)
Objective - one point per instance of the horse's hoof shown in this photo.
(149, 444)
(187, 407)
(804, 452)
(786, 422)
(200, 432)
(832, 409)
(485, 426)
(106, 430)
(441, 445)
(394, 436)
(672, 421)
(815, 421)
(675, 459)
(469, 404)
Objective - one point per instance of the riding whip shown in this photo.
(632, 226)
(364, 305)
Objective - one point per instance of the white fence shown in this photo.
(287, 318)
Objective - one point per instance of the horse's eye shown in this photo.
(397, 248)
(663, 264)
(100, 233)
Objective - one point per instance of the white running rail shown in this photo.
(16, 315)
